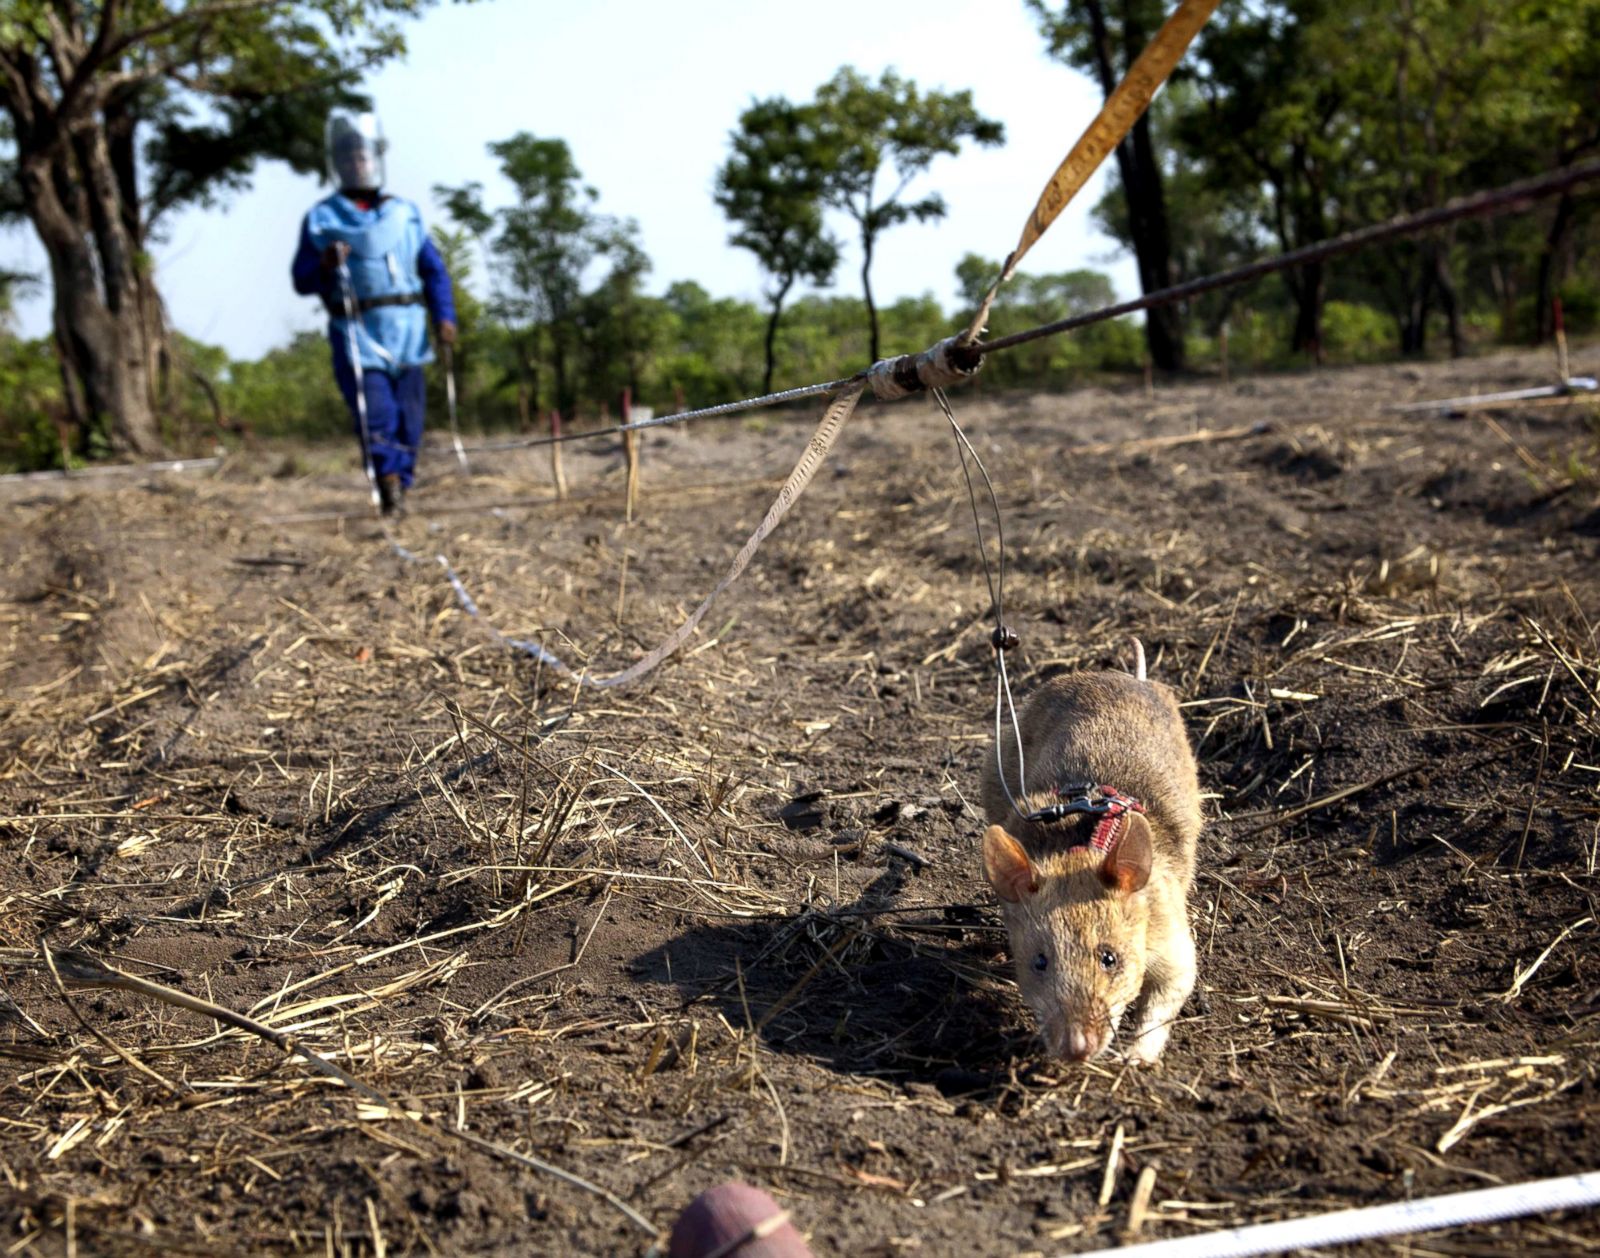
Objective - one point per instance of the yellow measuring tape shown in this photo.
(1115, 119)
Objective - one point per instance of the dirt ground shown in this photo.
(729, 922)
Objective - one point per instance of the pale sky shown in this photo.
(645, 95)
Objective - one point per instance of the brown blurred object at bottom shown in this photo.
(735, 1221)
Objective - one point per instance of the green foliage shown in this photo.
(1028, 300)
(708, 348)
(1297, 119)
(288, 392)
(1580, 301)
(30, 383)
(1353, 333)
(540, 250)
(1069, 34)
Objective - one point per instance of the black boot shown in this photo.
(391, 495)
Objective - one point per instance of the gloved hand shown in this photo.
(446, 332)
(334, 254)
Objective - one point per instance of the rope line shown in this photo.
(1510, 198)
(1482, 1205)
(680, 417)
(1122, 109)
(950, 361)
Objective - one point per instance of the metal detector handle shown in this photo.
(450, 400)
(352, 312)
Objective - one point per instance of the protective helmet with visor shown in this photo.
(355, 148)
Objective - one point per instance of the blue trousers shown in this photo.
(394, 413)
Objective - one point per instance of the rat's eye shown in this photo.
(1041, 963)
(1108, 959)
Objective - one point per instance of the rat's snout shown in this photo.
(1077, 1041)
(1083, 1042)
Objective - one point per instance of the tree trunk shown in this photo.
(1550, 269)
(772, 332)
(1505, 295)
(101, 343)
(99, 327)
(122, 147)
(1141, 189)
(1445, 283)
(866, 291)
(565, 402)
(1309, 288)
(1415, 301)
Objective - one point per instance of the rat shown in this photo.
(1094, 863)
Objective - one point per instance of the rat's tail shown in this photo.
(1138, 660)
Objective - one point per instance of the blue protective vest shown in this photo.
(384, 243)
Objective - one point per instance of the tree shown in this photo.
(540, 248)
(1472, 94)
(619, 325)
(1274, 79)
(771, 189)
(1353, 112)
(1219, 228)
(119, 112)
(862, 128)
(1084, 37)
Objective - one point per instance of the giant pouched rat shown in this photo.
(1093, 865)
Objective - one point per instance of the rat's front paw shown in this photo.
(1147, 1045)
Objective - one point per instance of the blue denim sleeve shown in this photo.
(309, 277)
(436, 283)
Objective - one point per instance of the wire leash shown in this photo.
(1003, 638)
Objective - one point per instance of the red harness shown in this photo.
(1104, 802)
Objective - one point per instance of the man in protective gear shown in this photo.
(368, 256)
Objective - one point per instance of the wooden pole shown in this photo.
(1222, 349)
(630, 452)
(1562, 364)
(557, 476)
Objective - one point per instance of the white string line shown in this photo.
(1482, 1205)
(1574, 384)
(113, 469)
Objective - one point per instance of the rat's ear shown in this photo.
(1126, 867)
(1007, 867)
